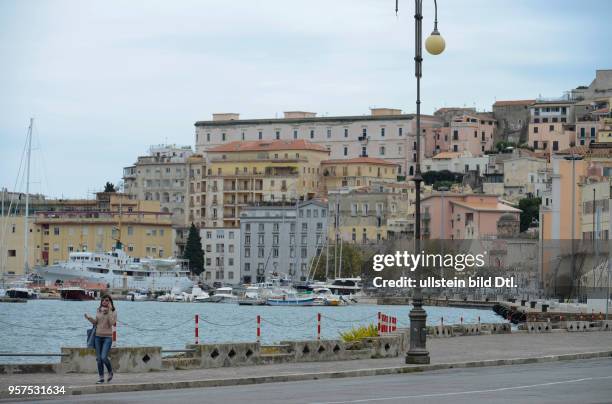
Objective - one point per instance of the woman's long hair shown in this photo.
(106, 296)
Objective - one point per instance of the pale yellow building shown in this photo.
(246, 172)
(595, 208)
(60, 227)
(605, 132)
(370, 215)
(356, 172)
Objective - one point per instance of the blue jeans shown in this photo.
(103, 346)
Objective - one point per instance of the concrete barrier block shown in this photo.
(384, 347)
(226, 355)
(538, 327)
(606, 325)
(466, 329)
(440, 331)
(123, 359)
(496, 328)
(577, 326)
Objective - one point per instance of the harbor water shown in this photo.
(43, 326)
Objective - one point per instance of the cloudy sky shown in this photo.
(106, 79)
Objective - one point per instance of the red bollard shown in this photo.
(461, 320)
(197, 329)
(478, 319)
(258, 327)
(442, 321)
(114, 334)
(379, 324)
(393, 323)
(318, 326)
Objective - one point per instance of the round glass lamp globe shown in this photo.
(435, 44)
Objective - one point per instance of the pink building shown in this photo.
(473, 133)
(452, 216)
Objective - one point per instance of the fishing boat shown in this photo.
(291, 299)
(325, 297)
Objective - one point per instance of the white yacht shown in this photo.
(116, 269)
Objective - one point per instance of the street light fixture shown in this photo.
(435, 44)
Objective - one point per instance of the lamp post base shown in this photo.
(417, 358)
(418, 354)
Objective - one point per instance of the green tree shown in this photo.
(502, 145)
(109, 187)
(530, 208)
(431, 177)
(352, 261)
(193, 251)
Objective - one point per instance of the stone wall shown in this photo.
(123, 359)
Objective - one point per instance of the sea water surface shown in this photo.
(43, 326)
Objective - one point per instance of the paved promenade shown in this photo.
(443, 350)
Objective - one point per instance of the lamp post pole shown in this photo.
(418, 354)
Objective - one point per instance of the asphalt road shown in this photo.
(588, 381)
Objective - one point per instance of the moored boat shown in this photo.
(291, 299)
(21, 293)
(116, 269)
(76, 293)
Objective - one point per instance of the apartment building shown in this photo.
(221, 255)
(472, 133)
(356, 172)
(246, 172)
(281, 238)
(605, 132)
(371, 214)
(525, 176)
(551, 126)
(460, 216)
(456, 162)
(385, 133)
(59, 227)
(595, 203)
(161, 176)
(570, 168)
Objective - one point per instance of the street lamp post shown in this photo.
(418, 354)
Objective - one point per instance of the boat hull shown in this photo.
(54, 273)
(290, 302)
(76, 295)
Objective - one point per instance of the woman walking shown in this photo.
(105, 318)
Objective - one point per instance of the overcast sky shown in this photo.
(106, 79)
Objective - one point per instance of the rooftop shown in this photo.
(268, 145)
(360, 160)
(513, 103)
(306, 119)
(447, 155)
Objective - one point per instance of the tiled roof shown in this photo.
(267, 145)
(360, 160)
(447, 155)
(513, 102)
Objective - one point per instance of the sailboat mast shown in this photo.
(340, 264)
(26, 217)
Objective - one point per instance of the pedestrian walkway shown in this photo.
(442, 350)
